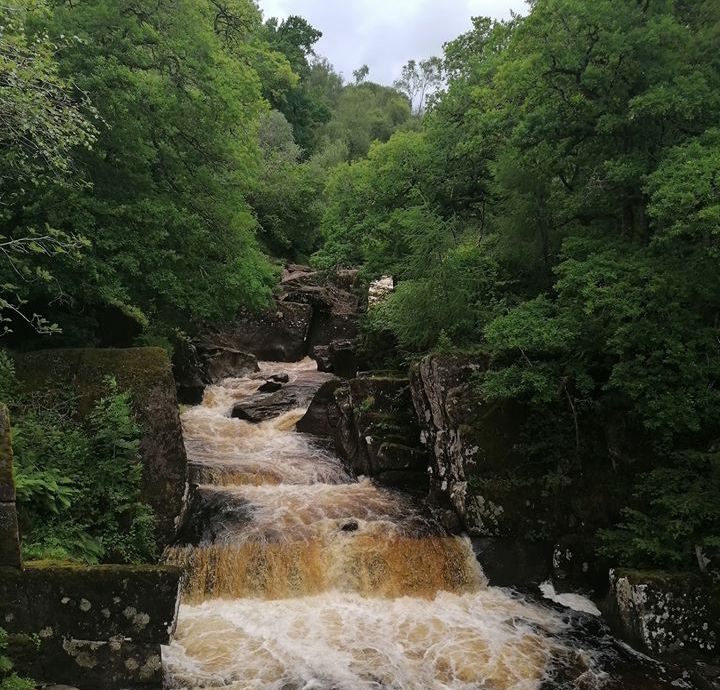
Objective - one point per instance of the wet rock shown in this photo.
(189, 372)
(319, 420)
(278, 335)
(321, 354)
(335, 298)
(197, 365)
(144, 372)
(263, 406)
(667, 613)
(413, 482)
(270, 387)
(224, 363)
(577, 566)
(465, 437)
(396, 457)
(343, 359)
(212, 515)
(513, 562)
(280, 378)
(373, 428)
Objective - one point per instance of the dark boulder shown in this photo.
(666, 613)
(373, 427)
(262, 406)
(278, 335)
(270, 387)
(412, 482)
(212, 514)
(224, 363)
(336, 300)
(318, 420)
(513, 562)
(472, 448)
(197, 365)
(577, 566)
(189, 372)
(399, 457)
(321, 354)
(343, 360)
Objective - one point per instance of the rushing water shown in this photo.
(306, 578)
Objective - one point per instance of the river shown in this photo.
(301, 577)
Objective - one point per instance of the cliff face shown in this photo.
(471, 442)
(147, 375)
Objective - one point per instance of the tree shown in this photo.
(564, 187)
(44, 119)
(172, 236)
(360, 74)
(419, 80)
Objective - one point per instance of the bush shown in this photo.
(78, 483)
(8, 679)
(676, 521)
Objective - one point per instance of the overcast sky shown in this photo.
(385, 34)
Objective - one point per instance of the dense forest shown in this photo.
(546, 193)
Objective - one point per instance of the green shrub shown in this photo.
(676, 520)
(8, 679)
(78, 483)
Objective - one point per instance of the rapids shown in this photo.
(310, 579)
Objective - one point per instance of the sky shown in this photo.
(385, 34)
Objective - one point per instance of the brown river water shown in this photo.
(301, 577)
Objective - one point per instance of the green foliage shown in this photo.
(78, 484)
(558, 208)
(365, 113)
(45, 118)
(164, 212)
(677, 521)
(287, 200)
(8, 679)
(7, 376)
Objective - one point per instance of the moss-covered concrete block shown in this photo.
(667, 613)
(144, 372)
(96, 628)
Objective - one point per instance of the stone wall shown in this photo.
(147, 375)
(94, 628)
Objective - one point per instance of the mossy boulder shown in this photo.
(667, 613)
(469, 440)
(144, 372)
(373, 425)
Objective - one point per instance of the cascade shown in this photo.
(302, 577)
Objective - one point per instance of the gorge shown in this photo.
(301, 575)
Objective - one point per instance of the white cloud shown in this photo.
(385, 34)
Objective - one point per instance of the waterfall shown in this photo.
(302, 577)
